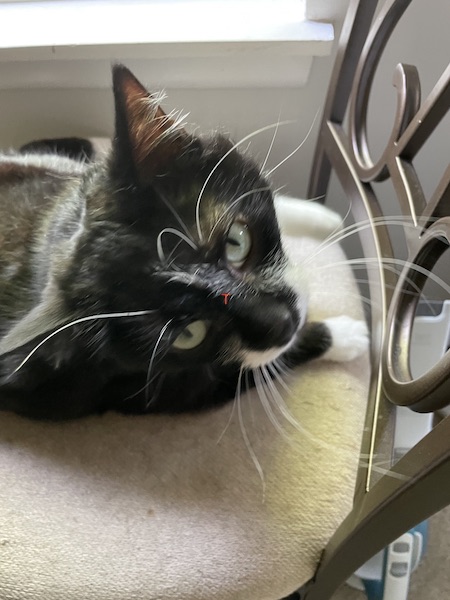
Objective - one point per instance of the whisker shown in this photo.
(354, 228)
(259, 383)
(390, 264)
(144, 387)
(281, 366)
(171, 261)
(246, 438)
(181, 235)
(177, 217)
(137, 313)
(385, 472)
(282, 187)
(220, 161)
(272, 368)
(295, 149)
(229, 208)
(414, 294)
(150, 366)
(238, 385)
(281, 405)
(263, 166)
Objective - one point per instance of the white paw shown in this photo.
(350, 338)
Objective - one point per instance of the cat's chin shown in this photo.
(252, 359)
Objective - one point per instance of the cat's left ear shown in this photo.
(146, 139)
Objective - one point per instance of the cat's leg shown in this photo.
(190, 390)
(68, 395)
(350, 338)
(338, 339)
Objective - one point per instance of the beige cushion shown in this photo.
(226, 505)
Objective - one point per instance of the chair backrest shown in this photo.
(413, 488)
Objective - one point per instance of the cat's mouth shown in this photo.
(253, 359)
(250, 335)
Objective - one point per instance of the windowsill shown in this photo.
(180, 43)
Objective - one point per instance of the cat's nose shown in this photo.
(279, 325)
(283, 326)
(268, 324)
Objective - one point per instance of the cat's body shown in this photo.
(144, 282)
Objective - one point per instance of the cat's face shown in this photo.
(192, 236)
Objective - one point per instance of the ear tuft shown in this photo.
(144, 133)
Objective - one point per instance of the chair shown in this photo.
(222, 506)
(417, 486)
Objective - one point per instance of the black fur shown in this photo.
(73, 147)
(95, 242)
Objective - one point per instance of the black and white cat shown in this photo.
(144, 282)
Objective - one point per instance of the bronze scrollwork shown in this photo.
(428, 229)
(411, 489)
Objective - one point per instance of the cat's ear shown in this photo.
(146, 139)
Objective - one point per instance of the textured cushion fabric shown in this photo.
(235, 504)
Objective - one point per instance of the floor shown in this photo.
(432, 578)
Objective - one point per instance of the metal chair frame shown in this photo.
(418, 485)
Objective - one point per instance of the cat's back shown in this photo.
(32, 181)
(31, 188)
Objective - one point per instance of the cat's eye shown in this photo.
(191, 336)
(238, 244)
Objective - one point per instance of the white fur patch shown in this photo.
(350, 338)
(254, 359)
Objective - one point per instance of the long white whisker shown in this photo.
(229, 208)
(181, 235)
(390, 264)
(220, 161)
(282, 367)
(263, 166)
(295, 149)
(136, 313)
(238, 391)
(359, 296)
(150, 366)
(246, 438)
(272, 368)
(281, 405)
(413, 294)
(385, 472)
(392, 268)
(144, 387)
(350, 230)
(171, 261)
(266, 403)
(177, 217)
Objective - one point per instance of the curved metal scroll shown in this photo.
(350, 155)
(413, 489)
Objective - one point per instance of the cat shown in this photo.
(144, 282)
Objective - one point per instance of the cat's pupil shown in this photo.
(191, 336)
(238, 244)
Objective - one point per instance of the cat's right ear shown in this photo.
(146, 139)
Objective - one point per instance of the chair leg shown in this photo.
(415, 489)
(294, 596)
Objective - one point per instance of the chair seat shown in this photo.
(235, 504)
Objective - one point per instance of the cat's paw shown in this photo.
(350, 338)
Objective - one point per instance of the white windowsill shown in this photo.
(174, 43)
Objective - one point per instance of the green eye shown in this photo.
(238, 244)
(191, 336)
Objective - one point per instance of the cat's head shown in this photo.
(189, 232)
